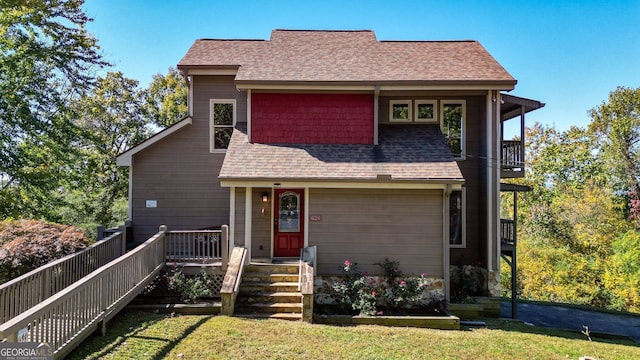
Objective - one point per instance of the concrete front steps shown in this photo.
(270, 291)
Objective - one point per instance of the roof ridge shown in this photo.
(324, 30)
(427, 41)
(214, 39)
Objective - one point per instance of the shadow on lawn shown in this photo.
(518, 326)
(128, 325)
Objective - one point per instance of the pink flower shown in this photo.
(403, 282)
(373, 292)
(347, 263)
(380, 312)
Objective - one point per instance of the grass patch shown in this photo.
(154, 336)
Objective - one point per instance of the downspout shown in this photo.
(445, 244)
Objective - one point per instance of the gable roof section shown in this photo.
(413, 153)
(348, 57)
(125, 159)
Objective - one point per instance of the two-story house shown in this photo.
(364, 148)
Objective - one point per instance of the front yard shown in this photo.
(142, 335)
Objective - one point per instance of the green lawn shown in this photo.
(154, 336)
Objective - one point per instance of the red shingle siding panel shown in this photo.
(311, 118)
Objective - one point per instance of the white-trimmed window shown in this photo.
(222, 120)
(399, 110)
(452, 124)
(425, 111)
(457, 218)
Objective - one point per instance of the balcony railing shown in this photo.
(512, 158)
(507, 231)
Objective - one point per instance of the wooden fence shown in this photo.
(68, 317)
(30, 289)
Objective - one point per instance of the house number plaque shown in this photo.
(315, 218)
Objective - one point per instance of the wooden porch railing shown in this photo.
(26, 291)
(512, 156)
(507, 231)
(202, 246)
(68, 317)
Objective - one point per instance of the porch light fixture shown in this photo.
(265, 197)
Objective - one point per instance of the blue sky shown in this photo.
(567, 54)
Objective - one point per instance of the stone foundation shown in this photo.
(325, 295)
(493, 283)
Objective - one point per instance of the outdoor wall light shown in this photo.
(265, 197)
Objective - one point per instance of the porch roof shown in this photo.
(415, 153)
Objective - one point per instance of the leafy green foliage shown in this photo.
(46, 58)
(191, 288)
(110, 119)
(165, 100)
(28, 244)
(577, 242)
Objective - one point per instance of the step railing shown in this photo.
(232, 279)
(306, 279)
(30, 289)
(68, 317)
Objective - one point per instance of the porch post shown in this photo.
(224, 237)
(232, 217)
(248, 218)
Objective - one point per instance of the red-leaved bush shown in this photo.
(28, 244)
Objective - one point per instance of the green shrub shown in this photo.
(190, 288)
(28, 244)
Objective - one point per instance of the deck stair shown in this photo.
(270, 291)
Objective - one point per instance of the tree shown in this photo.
(46, 58)
(617, 123)
(166, 98)
(111, 120)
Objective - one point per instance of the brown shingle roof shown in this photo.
(405, 153)
(347, 56)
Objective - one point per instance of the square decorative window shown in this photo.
(400, 110)
(452, 124)
(223, 119)
(457, 218)
(425, 111)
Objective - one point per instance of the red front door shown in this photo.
(288, 222)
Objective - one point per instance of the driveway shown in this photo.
(567, 318)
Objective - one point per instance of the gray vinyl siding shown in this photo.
(180, 173)
(365, 226)
(261, 224)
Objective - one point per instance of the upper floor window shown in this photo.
(222, 121)
(400, 110)
(425, 111)
(422, 111)
(452, 115)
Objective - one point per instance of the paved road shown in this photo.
(573, 319)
